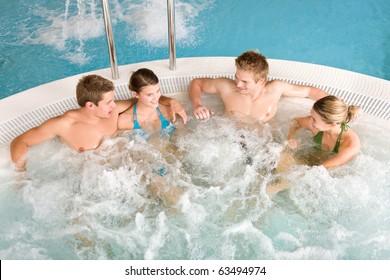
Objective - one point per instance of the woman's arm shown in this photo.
(175, 108)
(347, 150)
(297, 124)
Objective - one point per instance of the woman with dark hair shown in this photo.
(147, 118)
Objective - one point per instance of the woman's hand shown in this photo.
(292, 143)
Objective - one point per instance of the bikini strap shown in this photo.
(164, 122)
(135, 120)
(135, 113)
(159, 112)
(344, 127)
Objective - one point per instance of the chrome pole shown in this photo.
(171, 34)
(110, 40)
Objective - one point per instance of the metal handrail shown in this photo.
(110, 40)
(110, 37)
(171, 34)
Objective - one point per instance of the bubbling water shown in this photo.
(72, 28)
(97, 205)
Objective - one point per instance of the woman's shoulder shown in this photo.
(351, 140)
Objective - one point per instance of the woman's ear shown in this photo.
(135, 94)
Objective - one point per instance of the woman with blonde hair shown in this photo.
(328, 122)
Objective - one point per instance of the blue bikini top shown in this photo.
(167, 128)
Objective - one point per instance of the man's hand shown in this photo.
(202, 112)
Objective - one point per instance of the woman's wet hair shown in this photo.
(141, 78)
(333, 110)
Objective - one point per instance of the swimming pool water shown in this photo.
(100, 207)
(44, 40)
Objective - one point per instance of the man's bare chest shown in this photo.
(84, 136)
(261, 109)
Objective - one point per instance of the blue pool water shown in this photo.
(43, 40)
(95, 205)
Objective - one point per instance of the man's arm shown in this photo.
(123, 105)
(316, 93)
(19, 146)
(195, 89)
(300, 91)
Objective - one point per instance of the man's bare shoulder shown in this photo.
(56, 125)
(277, 85)
(71, 117)
(75, 113)
(276, 88)
(224, 84)
(224, 80)
(213, 85)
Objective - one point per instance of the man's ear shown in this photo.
(262, 81)
(89, 105)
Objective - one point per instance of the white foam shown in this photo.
(24, 251)
(70, 29)
(61, 28)
(157, 239)
(149, 21)
(99, 202)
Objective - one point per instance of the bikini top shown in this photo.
(167, 128)
(318, 138)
